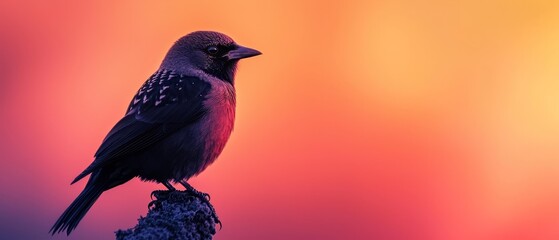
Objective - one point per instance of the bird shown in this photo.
(175, 126)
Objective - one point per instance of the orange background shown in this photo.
(362, 120)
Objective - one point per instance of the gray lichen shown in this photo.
(178, 215)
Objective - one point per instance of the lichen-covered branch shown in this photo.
(179, 215)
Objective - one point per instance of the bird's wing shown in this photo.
(165, 103)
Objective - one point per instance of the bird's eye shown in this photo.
(212, 50)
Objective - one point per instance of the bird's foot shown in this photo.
(159, 195)
(199, 194)
(205, 198)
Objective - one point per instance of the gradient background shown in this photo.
(362, 120)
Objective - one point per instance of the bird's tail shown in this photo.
(77, 210)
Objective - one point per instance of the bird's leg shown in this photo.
(169, 186)
(204, 197)
(191, 189)
(158, 193)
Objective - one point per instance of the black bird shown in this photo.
(176, 125)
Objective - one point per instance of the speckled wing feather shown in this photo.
(165, 103)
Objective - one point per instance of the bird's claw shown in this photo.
(204, 197)
(217, 221)
(158, 194)
(214, 216)
(207, 196)
(151, 204)
(199, 194)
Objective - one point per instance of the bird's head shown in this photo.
(211, 52)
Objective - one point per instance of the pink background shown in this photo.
(362, 120)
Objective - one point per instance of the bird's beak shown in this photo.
(241, 52)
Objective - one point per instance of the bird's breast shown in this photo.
(218, 122)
